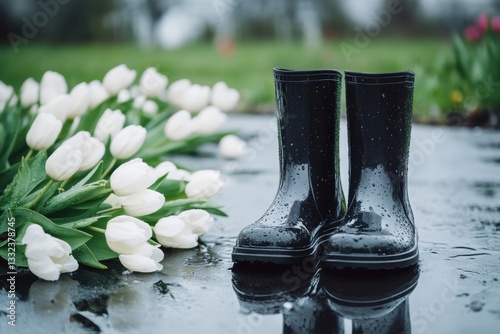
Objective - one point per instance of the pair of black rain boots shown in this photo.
(308, 219)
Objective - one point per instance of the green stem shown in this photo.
(110, 167)
(154, 243)
(40, 194)
(97, 229)
(65, 182)
(107, 211)
(30, 153)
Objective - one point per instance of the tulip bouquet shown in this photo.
(83, 175)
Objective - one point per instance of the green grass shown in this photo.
(249, 68)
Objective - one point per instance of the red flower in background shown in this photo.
(495, 24)
(473, 33)
(482, 23)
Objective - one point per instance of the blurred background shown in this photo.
(452, 45)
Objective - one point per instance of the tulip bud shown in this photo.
(127, 235)
(63, 163)
(139, 102)
(43, 132)
(92, 149)
(231, 147)
(29, 92)
(6, 94)
(98, 94)
(132, 177)
(195, 98)
(47, 256)
(143, 203)
(176, 91)
(224, 97)
(164, 168)
(118, 78)
(110, 123)
(58, 106)
(204, 184)
(128, 141)
(150, 107)
(179, 126)
(145, 260)
(173, 232)
(52, 85)
(152, 82)
(80, 100)
(123, 96)
(495, 24)
(114, 201)
(209, 120)
(199, 221)
(179, 175)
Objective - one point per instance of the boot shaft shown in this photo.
(308, 111)
(379, 115)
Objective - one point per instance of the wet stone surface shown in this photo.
(454, 188)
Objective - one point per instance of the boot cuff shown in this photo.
(407, 77)
(286, 75)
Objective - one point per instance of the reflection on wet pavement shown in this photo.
(454, 190)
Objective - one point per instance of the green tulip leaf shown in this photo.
(85, 256)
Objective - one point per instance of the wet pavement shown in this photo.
(454, 188)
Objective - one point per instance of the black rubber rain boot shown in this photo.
(377, 231)
(310, 191)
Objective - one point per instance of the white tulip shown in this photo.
(43, 132)
(164, 168)
(98, 94)
(139, 102)
(123, 96)
(145, 260)
(127, 235)
(150, 107)
(110, 123)
(195, 98)
(143, 203)
(52, 85)
(232, 147)
(132, 177)
(179, 175)
(118, 78)
(224, 97)
(209, 120)
(179, 126)
(47, 256)
(153, 83)
(114, 201)
(128, 141)
(63, 163)
(80, 100)
(199, 221)
(176, 91)
(204, 184)
(175, 233)
(29, 92)
(58, 106)
(92, 149)
(6, 92)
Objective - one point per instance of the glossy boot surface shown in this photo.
(378, 230)
(309, 192)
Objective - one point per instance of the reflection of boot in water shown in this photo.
(311, 314)
(376, 301)
(395, 322)
(264, 289)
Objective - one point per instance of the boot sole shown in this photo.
(274, 255)
(356, 261)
